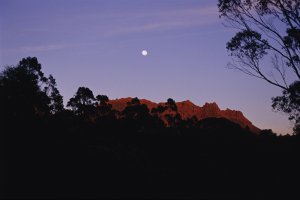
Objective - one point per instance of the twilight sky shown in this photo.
(98, 44)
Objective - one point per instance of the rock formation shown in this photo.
(187, 110)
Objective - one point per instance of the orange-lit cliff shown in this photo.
(187, 109)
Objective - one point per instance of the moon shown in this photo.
(144, 52)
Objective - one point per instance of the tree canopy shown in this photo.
(267, 45)
(83, 99)
(26, 92)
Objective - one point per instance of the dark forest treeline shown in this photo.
(91, 150)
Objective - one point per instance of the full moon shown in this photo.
(144, 53)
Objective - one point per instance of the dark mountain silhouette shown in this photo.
(188, 109)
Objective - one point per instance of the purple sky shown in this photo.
(98, 44)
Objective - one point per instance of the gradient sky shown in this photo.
(98, 44)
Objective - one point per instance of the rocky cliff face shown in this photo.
(187, 109)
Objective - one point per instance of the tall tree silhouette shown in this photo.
(56, 100)
(83, 102)
(258, 35)
(23, 90)
(104, 109)
(172, 116)
(135, 110)
(171, 104)
(137, 116)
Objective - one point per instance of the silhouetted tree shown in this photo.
(104, 109)
(102, 99)
(26, 93)
(259, 35)
(289, 103)
(137, 117)
(172, 116)
(56, 100)
(83, 101)
(134, 102)
(170, 104)
(135, 110)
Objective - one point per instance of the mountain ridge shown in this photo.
(188, 109)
